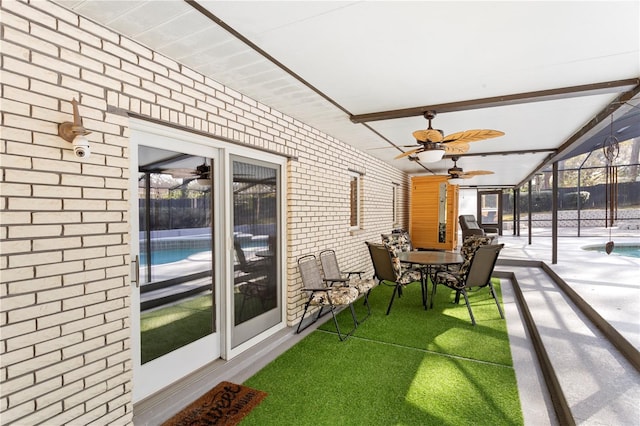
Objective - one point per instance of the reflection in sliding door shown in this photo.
(255, 288)
(175, 246)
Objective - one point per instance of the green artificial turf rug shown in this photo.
(411, 367)
(445, 328)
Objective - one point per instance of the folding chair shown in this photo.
(323, 295)
(331, 271)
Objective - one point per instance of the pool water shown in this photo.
(628, 250)
(160, 257)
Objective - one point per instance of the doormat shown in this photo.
(226, 404)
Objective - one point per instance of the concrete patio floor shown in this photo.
(600, 386)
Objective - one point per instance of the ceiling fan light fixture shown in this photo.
(432, 155)
(456, 181)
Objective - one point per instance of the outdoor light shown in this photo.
(432, 155)
(75, 133)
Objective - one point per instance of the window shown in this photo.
(394, 203)
(354, 197)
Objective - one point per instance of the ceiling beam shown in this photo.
(498, 101)
(518, 152)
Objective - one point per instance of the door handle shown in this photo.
(136, 271)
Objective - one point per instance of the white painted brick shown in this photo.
(57, 344)
(54, 90)
(17, 412)
(34, 15)
(55, 37)
(119, 52)
(14, 162)
(17, 329)
(99, 79)
(22, 122)
(43, 414)
(98, 30)
(11, 20)
(82, 324)
(12, 49)
(34, 231)
(31, 312)
(84, 229)
(82, 86)
(44, 244)
(67, 417)
(59, 267)
(10, 218)
(17, 384)
(16, 302)
(11, 247)
(84, 300)
(55, 64)
(85, 204)
(78, 34)
(55, 217)
(29, 363)
(34, 150)
(76, 183)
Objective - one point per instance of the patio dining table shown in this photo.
(426, 260)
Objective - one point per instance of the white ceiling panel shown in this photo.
(376, 56)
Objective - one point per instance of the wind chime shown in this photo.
(611, 148)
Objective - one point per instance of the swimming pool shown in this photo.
(621, 249)
(160, 257)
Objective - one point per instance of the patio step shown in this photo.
(600, 386)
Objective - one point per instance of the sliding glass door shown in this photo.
(256, 294)
(206, 226)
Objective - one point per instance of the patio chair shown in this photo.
(331, 270)
(469, 247)
(252, 279)
(322, 293)
(475, 272)
(469, 226)
(388, 271)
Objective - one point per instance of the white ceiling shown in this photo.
(328, 60)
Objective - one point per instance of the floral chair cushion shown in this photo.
(362, 285)
(335, 296)
(454, 278)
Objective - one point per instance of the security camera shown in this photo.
(81, 148)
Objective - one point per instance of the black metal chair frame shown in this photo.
(385, 273)
(331, 270)
(313, 282)
(479, 274)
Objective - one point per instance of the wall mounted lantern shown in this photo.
(75, 133)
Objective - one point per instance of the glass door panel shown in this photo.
(175, 251)
(175, 234)
(490, 209)
(255, 286)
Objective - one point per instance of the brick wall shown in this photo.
(65, 289)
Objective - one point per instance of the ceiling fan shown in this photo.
(456, 172)
(436, 144)
(200, 173)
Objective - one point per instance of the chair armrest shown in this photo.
(358, 273)
(335, 280)
(491, 230)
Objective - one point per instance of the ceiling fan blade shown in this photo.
(478, 173)
(472, 135)
(428, 135)
(180, 173)
(456, 147)
(407, 153)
